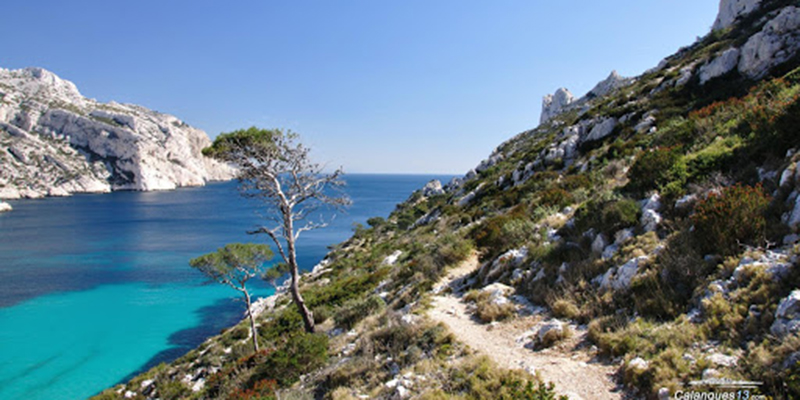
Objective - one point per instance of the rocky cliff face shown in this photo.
(55, 142)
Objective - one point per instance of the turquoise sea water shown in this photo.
(95, 288)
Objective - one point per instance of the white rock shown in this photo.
(721, 65)
(606, 86)
(554, 104)
(650, 220)
(651, 203)
(685, 201)
(626, 272)
(794, 216)
(730, 10)
(609, 251)
(599, 244)
(721, 360)
(774, 44)
(57, 142)
(623, 235)
(710, 373)
(787, 177)
(129, 394)
(4, 207)
(663, 394)
(552, 325)
(392, 258)
(787, 316)
(602, 129)
(432, 188)
(638, 364)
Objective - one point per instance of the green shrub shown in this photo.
(723, 221)
(565, 308)
(486, 309)
(655, 169)
(355, 310)
(555, 197)
(296, 355)
(607, 216)
(503, 232)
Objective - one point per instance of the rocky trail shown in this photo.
(571, 368)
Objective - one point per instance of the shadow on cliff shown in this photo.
(223, 314)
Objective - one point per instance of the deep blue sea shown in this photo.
(95, 288)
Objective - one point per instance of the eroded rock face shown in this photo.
(721, 65)
(553, 104)
(614, 81)
(55, 142)
(730, 10)
(778, 41)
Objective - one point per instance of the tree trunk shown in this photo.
(308, 317)
(253, 331)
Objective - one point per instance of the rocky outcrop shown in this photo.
(55, 142)
(613, 82)
(777, 42)
(730, 10)
(554, 104)
(432, 188)
(721, 65)
(4, 207)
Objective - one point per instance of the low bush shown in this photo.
(296, 355)
(480, 378)
(655, 169)
(355, 310)
(487, 309)
(734, 216)
(607, 216)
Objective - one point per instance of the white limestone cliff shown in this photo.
(730, 10)
(554, 104)
(777, 41)
(55, 142)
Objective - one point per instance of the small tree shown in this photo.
(276, 169)
(234, 265)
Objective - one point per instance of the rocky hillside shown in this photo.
(650, 228)
(56, 142)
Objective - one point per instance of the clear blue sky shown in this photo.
(377, 86)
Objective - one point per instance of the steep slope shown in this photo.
(651, 226)
(56, 142)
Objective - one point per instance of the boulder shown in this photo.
(787, 316)
(599, 244)
(777, 42)
(432, 188)
(638, 364)
(551, 327)
(554, 104)
(601, 129)
(650, 220)
(730, 10)
(5, 207)
(721, 65)
(392, 258)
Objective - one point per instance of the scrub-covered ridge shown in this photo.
(640, 242)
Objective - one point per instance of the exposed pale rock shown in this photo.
(392, 258)
(650, 220)
(623, 235)
(722, 360)
(432, 188)
(4, 207)
(56, 142)
(778, 41)
(547, 327)
(787, 316)
(638, 364)
(599, 244)
(721, 65)
(606, 86)
(730, 10)
(554, 104)
(601, 129)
